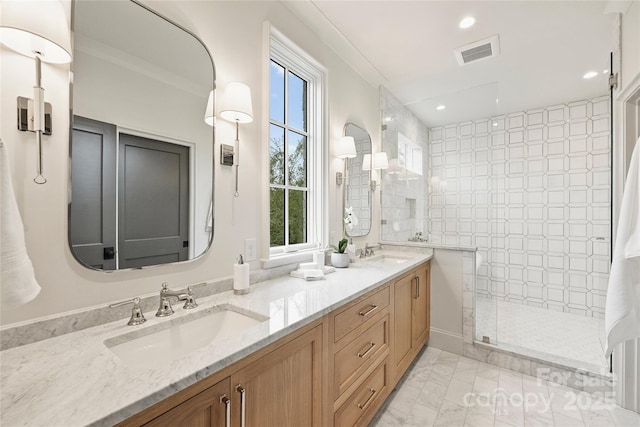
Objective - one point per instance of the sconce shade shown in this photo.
(366, 162)
(346, 148)
(236, 104)
(394, 168)
(36, 28)
(209, 117)
(380, 161)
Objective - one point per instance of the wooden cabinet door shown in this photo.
(205, 409)
(420, 306)
(283, 388)
(402, 342)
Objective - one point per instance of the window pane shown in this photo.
(297, 102)
(297, 150)
(277, 217)
(297, 217)
(276, 154)
(276, 90)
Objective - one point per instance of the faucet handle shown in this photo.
(189, 300)
(137, 318)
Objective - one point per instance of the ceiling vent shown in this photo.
(476, 51)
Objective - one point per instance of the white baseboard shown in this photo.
(445, 340)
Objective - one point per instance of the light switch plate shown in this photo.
(250, 251)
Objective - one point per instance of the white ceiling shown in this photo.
(407, 46)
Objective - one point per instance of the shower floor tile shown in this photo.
(551, 335)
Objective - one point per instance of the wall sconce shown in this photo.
(226, 151)
(344, 149)
(38, 30)
(380, 161)
(366, 162)
(236, 107)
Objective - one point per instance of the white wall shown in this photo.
(447, 288)
(233, 33)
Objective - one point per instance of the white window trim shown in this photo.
(280, 48)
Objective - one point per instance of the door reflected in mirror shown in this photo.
(357, 194)
(141, 153)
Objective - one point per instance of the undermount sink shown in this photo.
(389, 259)
(161, 344)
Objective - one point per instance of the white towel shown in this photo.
(17, 280)
(622, 313)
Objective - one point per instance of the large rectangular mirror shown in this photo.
(141, 153)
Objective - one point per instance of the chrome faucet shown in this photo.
(368, 250)
(185, 295)
(418, 238)
(137, 318)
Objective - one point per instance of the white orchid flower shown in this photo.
(350, 219)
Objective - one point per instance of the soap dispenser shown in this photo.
(240, 277)
(351, 250)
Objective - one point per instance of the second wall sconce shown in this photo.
(345, 149)
(236, 106)
(380, 161)
(38, 30)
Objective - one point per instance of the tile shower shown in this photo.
(531, 190)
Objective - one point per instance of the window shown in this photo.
(296, 151)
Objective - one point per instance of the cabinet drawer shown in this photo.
(353, 359)
(365, 401)
(359, 312)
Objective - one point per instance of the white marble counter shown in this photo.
(75, 380)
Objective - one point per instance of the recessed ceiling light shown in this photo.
(440, 107)
(467, 22)
(495, 123)
(590, 75)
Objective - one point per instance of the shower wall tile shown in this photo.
(531, 190)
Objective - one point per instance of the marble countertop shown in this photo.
(75, 380)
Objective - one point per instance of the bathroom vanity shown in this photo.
(318, 353)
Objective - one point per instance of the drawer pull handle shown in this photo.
(365, 404)
(366, 313)
(363, 355)
(227, 410)
(417, 287)
(243, 405)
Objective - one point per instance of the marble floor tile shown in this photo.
(404, 398)
(565, 421)
(432, 395)
(446, 390)
(457, 391)
(450, 414)
(442, 374)
(480, 416)
(421, 416)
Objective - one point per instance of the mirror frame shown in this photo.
(70, 129)
(364, 232)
